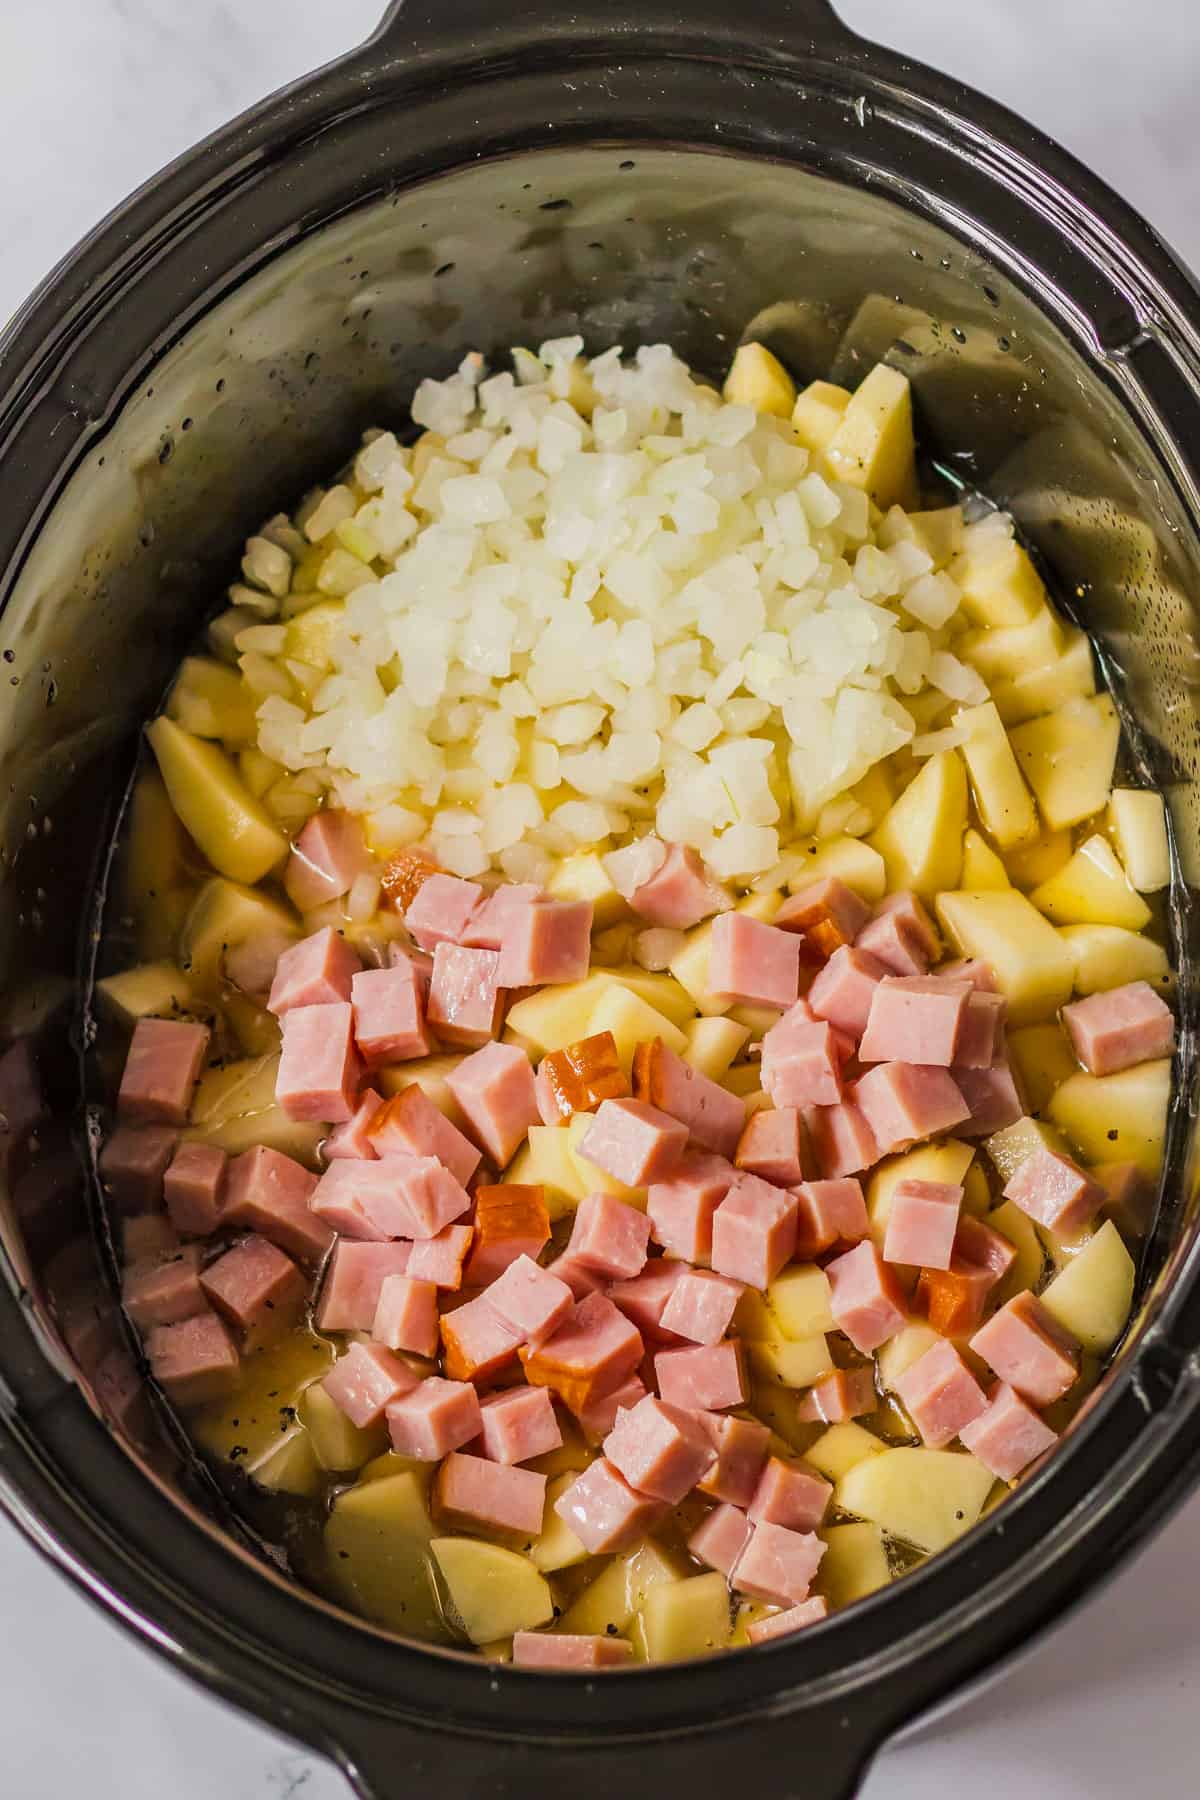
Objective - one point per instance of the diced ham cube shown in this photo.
(915, 1019)
(356, 1273)
(634, 1142)
(680, 893)
(494, 1090)
(319, 1066)
(954, 1300)
(778, 1564)
(440, 1259)
(981, 975)
(922, 1223)
(982, 1035)
(721, 1537)
(434, 1418)
(904, 1102)
(548, 941)
(366, 1380)
(148, 1238)
(258, 1289)
(788, 1494)
(782, 1624)
(315, 972)
(352, 1138)
(133, 1165)
(406, 1317)
(442, 909)
(578, 1078)
(485, 929)
(661, 1450)
(465, 1003)
(531, 1300)
(714, 1117)
(681, 1208)
(161, 1070)
(572, 1273)
(827, 914)
(609, 1236)
(325, 859)
(419, 962)
(569, 1650)
(940, 1395)
(992, 1096)
(194, 1361)
(707, 1378)
(429, 1193)
(902, 935)
(866, 1300)
(842, 991)
(1008, 1435)
(604, 1512)
(1114, 1030)
(598, 1417)
(472, 1490)
(477, 1343)
(363, 1200)
(841, 1139)
(410, 1125)
(829, 1213)
(163, 1291)
(753, 962)
(511, 1221)
(644, 1297)
(1027, 1348)
(741, 1447)
(519, 1424)
(754, 1231)
(389, 1017)
(843, 1394)
(774, 1145)
(1055, 1192)
(268, 1192)
(701, 1307)
(592, 1352)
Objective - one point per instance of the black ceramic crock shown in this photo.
(478, 176)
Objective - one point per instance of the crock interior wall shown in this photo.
(269, 391)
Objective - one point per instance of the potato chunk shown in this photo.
(855, 1563)
(235, 833)
(921, 838)
(1092, 1295)
(494, 1592)
(1117, 1118)
(873, 446)
(1034, 967)
(1139, 827)
(1004, 802)
(818, 412)
(686, 1618)
(758, 379)
(926, 1498)
(1068, 759)
(1092, 889)
(377, 1536)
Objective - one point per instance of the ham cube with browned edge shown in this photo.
(133, 1165)
(545, 942)
(827, 914)
(681, 1207)
(441, 910)
(753, 963)
(705, 1378)
(721, 1537)
(476, 1342)
(1029, 1349)
(865, 1298)
(940, 1395)
(829, 1213)
(579, 1078)
(410, 1125)
(365, 1381)
(915, 1019)
(406, 1317)
(352, 1138)
(754, 1231)
(1008, 1435)
(164, 1290)
(353, 1280)
(633, 1142)
(519, 1424)
(495, 1093)
(194, 1361)
(472, 1490)
(389, 1015)
(741, 1447)
(319, 1067)
(778, 1564)
(317, 971)
(591, 1353)
(701, 1306)
(511, 1221)
(788, 1494)
(774, 1144)
(569, 1650)
(922, 1223)
(268, 1192)
(326, 857)
(783, 1624)
(714, 1117)
(609, 1236)
(404, 875)
(433, 1418)
(1055, 1192)
(161, 1071)
(661, 1450)
(194, 1188)
(257, 1289)
(531, 1300)
(954, 1299)
(604, 1512)
(1114, 1030)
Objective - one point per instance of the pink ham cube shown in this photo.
(644, 1297)
(519, 1424)
(783, 1624)
(597, 1418)
(707, 1378)
(661, 1450)
(440, 1258)
(789, 1494)
(904, 1102)
(531, 1300)
(406, 1317)
(992, 1096)
(326, 857)
(609, 1236)
(194, 1361)
(410, 1125)
(801, 1065)
(902, 935)
(319, 1067)
(352, 1138)
(829, 1213)
(681, 1208)
(701, 1307)
(778, 1564)
(604, 1512)
(1008, 1435)
(353, 1280)
(572, 1273)
(472, 1490)
(842, 991)
(1027, 1348)
(634, 1142)
(1114, 1030)
(753, 963)
(365, 1381)
(257, 1289)
(161, 1071)
(922, 1223)
(548, 941)
(363, 1200)
(495, 1093)
(741, 1447)
(843, 1394)
(721, 1537)
(442, 910)
(569, 1650)
(754, 1231)
(487, 925)
(866, 1301)
(194, 1188)
(680, 893)
(714, 1117)
(915, 1019)
(433, 1418)
(133, 1165)
(389, 1015)
(147, 1238)
(940, 1395)
(827, 913)
(164, 1290)
(774, 1145)
(268, 1192)
(428, 1192)
(842, 1141)
(593, 1351)
(1055, 1192)
(465, 1004)
(981, 1038)
(477, 1343)
(315, 972)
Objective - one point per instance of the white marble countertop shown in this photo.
(96, 95)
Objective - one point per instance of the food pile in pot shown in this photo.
(639, 1032)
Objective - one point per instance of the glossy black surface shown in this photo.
(475, 178)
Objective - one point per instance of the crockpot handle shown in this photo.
(774, 27)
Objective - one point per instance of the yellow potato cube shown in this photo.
(982, 869)
(584, 877)
(1107, 956)
(818, 412)
(557, 1547)
(1117, 1118)
(977, 1196)
(857, 864)
(545, 1161)
(758, 379)
(310, 633)
(632, 1022)
(1071, 676)
(797, 1363)
(902, 1351)
(287, 1466)
(377, 1537)
(712, 1044)
(1027, 1270)
(259, 772)
(230, 826)
(621, 1590)
(556, 1016)
(939, 533)
(1007, 652)
(837, 1450)
(855, 1563)
(926, 1498)
(225, 915)
(1032, 965)
(659, 990)
(1092, 1296)
(1139, 826)
(336, 1444)
(921, 838)
(429, 1073)
(1009, 1148)
(1068, 759)
(1042, 1059)
(1092, 889)
(211, 700)
(999, 583)
(493, 1592)
(147, 991)
(686, 1618)
(1002, 799)
(873, 446)
(234, 1107)
(798, 1300)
